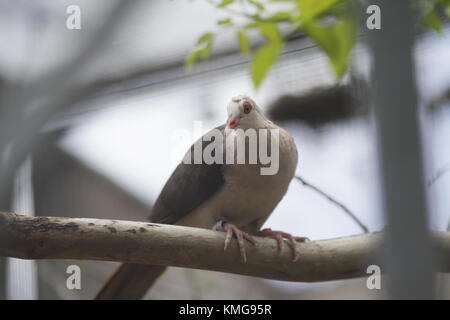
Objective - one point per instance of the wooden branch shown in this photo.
(149, 243)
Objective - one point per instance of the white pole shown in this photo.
(21, 275)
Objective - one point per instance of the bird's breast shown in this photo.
(248, 196)
(252, 195)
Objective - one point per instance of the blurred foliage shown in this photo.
(320, 106)
(331, 24)
(433, 13)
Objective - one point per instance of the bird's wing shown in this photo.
(188, 187)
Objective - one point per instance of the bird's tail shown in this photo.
(130, 282)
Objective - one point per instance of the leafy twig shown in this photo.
(340, 205)
(335, 39)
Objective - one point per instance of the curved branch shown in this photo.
(148, 243)
(442, 171)
(330, 198)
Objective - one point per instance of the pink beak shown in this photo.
(233, 122)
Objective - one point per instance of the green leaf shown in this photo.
(204, 38)
(431, 13)
(224, 3)
(311, 9)
(191, 59)
(244, 44)
(263, 59)
(270, 31)
(202, 50)
(281, 16)
(336, 40)
(251, 25)
(431, 20)
(205, 52)
(258, 5)
(445, 4)
(222, 22)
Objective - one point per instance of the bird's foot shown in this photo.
(240, 235)
(279, 236)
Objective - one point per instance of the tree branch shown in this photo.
(442, 171)
(149, 243)
(331, 199)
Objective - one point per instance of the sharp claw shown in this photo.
(279, 236)
(240, 237)
(228, 238)
(279, 239)
(294, 247)
(241, 245)
(302, 239)
(249, 238)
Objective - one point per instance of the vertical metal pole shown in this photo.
(2, 278)
(22, 274)
(409, 257)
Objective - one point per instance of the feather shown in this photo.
(189, 186)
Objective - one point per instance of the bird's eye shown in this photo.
(247, 108)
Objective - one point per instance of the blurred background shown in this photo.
(108, 148)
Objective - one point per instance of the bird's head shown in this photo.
(244, 113)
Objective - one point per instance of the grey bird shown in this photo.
(226, 196)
